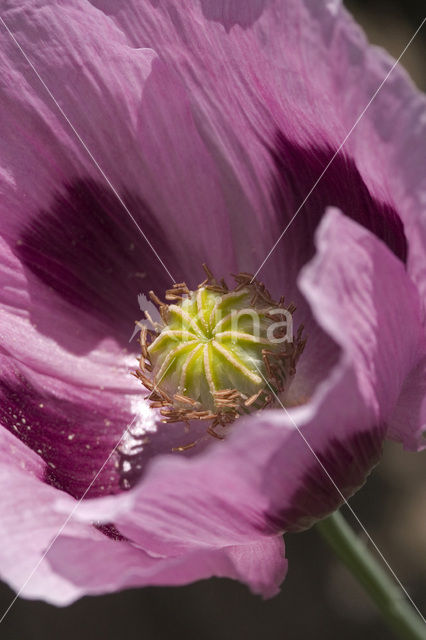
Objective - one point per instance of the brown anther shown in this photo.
(178, 292)
(250, 401)
(211, 431)
(145, 381)
(156, 299)
(223, 284)
(242, 280)
(185, 447)
(227, 399)
(185, 399)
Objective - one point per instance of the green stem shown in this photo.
(389, 598)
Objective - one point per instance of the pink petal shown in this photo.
(408, 421)
(57, 340)
(75, 563)
(369, 305)
(59, 213)
(82, 563)
(27, 525)
(70, 407)
(281, 94)
(203, 502)
(93, 54)
(73, 429)
(151, 149)
(394, 126)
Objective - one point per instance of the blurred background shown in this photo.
(390, 24)
(319, 599)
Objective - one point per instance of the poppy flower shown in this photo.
(139, 141)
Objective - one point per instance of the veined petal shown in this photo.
(408, 422)
(35, 514)
(81, 562)
(68, 226)
(60, 213)
(361, 295)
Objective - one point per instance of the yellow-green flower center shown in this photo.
(212, 342)
(218, 352)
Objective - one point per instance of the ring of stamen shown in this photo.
(207, 362)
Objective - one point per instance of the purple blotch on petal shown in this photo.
(332, 478)
(74, 439)
(88, 250)
(342, 186)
